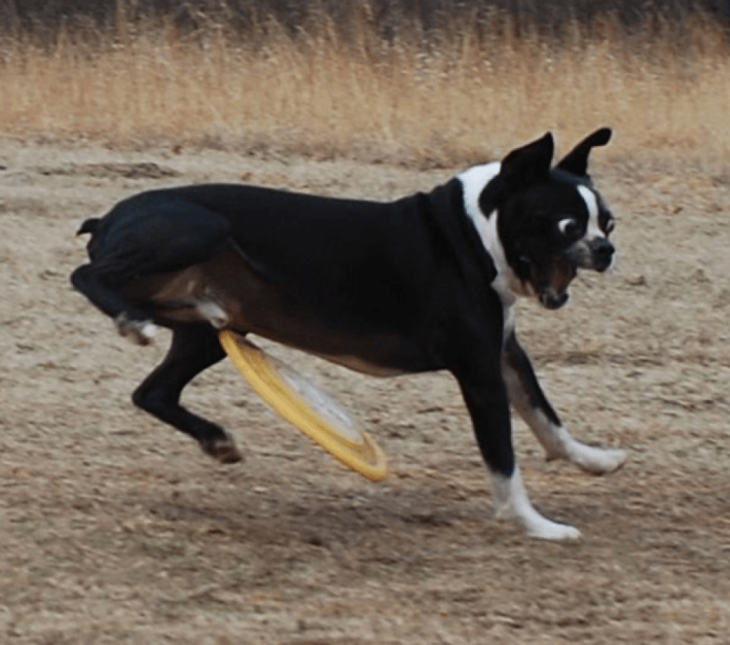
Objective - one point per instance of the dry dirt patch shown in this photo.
(115, 529)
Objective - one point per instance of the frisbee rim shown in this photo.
(366, 458)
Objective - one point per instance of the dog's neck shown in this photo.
(507, 284)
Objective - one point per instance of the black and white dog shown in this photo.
(424, 283)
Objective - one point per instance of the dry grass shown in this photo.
(459, 96)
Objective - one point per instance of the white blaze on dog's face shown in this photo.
(594, 251)
(540, 224)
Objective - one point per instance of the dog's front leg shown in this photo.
(486, 398)
(527, 397)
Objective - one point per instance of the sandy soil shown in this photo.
(116, 529)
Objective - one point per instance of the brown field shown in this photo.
(116, 529)
(420, 99)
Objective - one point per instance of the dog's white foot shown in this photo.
(559, 444)
(545, 529)
(512, 501)
(598, 461)
(140, 332)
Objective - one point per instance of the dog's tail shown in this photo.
(89, 226)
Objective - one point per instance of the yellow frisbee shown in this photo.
(304, 405)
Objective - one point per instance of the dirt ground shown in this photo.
(116, 529)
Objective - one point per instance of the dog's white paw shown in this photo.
(511, 500)
(140, 332)
(545, 529)
(538, 526)
(598, 461)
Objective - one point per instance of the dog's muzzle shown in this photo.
(595, 254)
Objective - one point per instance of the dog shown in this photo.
(424, 283)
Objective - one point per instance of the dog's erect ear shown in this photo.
(576, 161)
(527, 165)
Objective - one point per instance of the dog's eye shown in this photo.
(608, 225)
(568, 227)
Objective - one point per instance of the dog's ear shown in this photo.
(576, 161)
(528, 165)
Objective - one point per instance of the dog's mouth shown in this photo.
(552, 281)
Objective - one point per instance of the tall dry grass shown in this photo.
(451, 97)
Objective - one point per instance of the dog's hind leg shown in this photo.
(141, 237)
(100, 283)
(193, 349)
(527, 397)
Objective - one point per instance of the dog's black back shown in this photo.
(361, 267)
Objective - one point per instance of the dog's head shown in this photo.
(550, 221)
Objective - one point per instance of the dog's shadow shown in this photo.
(332, 520)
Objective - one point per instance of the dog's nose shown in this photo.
(603, 252)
